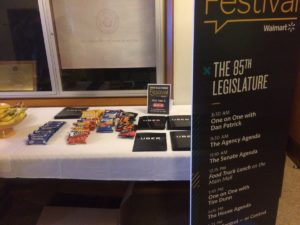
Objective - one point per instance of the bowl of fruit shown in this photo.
(9, 117)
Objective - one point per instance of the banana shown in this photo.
(17, 117)
(10, 115)
(3, 110)
(20, 117)
(4, 113)
(4, 106)
(8, 119)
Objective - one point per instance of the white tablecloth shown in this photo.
(105, 157)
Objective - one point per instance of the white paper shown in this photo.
(105, 33)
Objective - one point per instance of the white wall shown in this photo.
(183, 51)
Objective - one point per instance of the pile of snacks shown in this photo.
(126, 126)
(107, 122)
(42, 135)
(82, 128)
(122, 121)
(104, 121)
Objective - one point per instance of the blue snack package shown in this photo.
(36, 142)
(41, 131)
(45, 136)
(105, 129)
(111, 114)
(44, 133)
(55, 123)
(50, 129)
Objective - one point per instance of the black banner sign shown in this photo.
(245, 63)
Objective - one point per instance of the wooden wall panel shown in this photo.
(62, 102)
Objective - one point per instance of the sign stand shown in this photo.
(245, 64)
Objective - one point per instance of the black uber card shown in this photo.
(150, 142)
(70, 113)
(152, 123)
(179, 122)
(181, 140)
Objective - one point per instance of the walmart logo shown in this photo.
(290, 27)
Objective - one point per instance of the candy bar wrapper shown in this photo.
(127, 134)
(36, 142)
(91, 114)
(105, 129)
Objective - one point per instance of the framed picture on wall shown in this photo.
(17, 76)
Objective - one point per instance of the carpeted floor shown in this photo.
(289, 207)
(28, 199)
